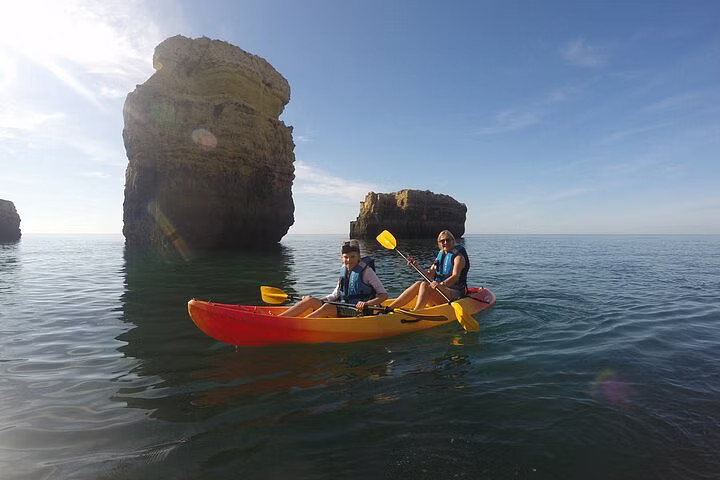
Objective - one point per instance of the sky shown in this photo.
(548, 117)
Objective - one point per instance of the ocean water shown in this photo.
(600, 360)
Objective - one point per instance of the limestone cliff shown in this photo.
(409, 214)
(210, 165)
(9, 222)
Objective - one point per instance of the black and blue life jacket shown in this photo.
(352, 287)
(444, 265)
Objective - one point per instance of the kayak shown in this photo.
(250, 326)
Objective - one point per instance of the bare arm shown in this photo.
(429, 273)
(334, 296)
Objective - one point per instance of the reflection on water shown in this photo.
(270, 370)
(9, 269)
(157, 288)
(201, 386)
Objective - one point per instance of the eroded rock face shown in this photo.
(409, 214)
(210, 163)
(9, 222)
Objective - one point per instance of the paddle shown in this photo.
(275, 296)
(388, 241)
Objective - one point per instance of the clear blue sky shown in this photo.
(543, 117)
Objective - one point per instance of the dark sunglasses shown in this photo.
(444, 240)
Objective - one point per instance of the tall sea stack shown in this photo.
(409, 214)
(210, 165)
(9, 222)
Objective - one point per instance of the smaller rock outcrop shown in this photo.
(9, 222)
(409, 214)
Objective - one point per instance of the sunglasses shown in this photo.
(445, 240)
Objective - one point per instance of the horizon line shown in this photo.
(464, 235)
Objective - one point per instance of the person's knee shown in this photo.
(412, 288)
(310, 302)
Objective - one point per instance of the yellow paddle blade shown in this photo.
(272, 295)
(465, 319)
(387, 240)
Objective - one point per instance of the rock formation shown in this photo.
(409, 214)
(210, 165)
(9, 222)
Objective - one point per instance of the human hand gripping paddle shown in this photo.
(388, 241)
(275, 296)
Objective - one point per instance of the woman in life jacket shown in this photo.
(358, 286)
(447, 273)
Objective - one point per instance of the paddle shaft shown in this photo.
(423, 274)
(349, 305)
(274, 295)
(293, 298)
(418, 316)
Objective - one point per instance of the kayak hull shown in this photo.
(244, 325)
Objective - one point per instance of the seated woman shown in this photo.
(448, 273)
(358, 286)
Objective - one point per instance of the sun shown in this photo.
(78, 42)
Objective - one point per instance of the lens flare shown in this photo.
(172, 236)
(610, 388)
(204, 138)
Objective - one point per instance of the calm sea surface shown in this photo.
(600, 360)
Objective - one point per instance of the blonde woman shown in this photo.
(448, 273)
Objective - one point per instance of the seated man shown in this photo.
(358, 286)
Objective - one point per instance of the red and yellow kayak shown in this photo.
(259, 325)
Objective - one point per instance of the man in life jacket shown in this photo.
(447, 273)
(358, 287)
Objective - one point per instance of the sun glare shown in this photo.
(80, 42)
